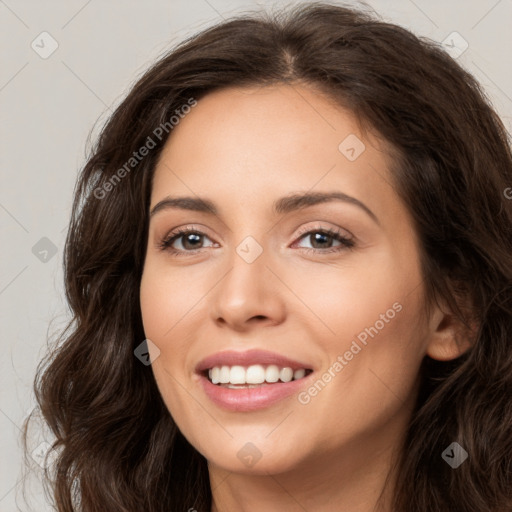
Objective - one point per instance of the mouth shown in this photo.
(252, 380)
(253, 376)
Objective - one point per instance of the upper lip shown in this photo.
(249, 358)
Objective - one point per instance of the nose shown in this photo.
(248, 295)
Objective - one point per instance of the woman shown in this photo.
(289, 268)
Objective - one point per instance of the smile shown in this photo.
(244, 377)
(251, 380)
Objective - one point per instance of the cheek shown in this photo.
(371, 317)
(161, 311)
(370, 291)
(172, 312)
(167, 298)
(377, 353)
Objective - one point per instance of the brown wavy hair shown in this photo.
(118, 448)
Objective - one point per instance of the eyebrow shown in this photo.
(282, 205)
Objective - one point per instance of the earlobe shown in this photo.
(449, 337)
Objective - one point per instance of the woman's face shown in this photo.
(262, 273)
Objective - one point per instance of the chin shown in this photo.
(253, 459)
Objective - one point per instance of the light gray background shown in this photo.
(49, 106)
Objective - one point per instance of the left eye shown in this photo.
(323, 239)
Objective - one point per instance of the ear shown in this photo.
(449, 338)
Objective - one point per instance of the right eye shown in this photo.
(189, 239)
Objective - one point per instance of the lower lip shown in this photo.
(251, 399)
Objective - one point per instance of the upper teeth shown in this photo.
(255, 374)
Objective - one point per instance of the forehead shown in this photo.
(252, 144)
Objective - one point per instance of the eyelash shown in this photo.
(346, 243)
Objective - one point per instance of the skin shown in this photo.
(243, 149)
